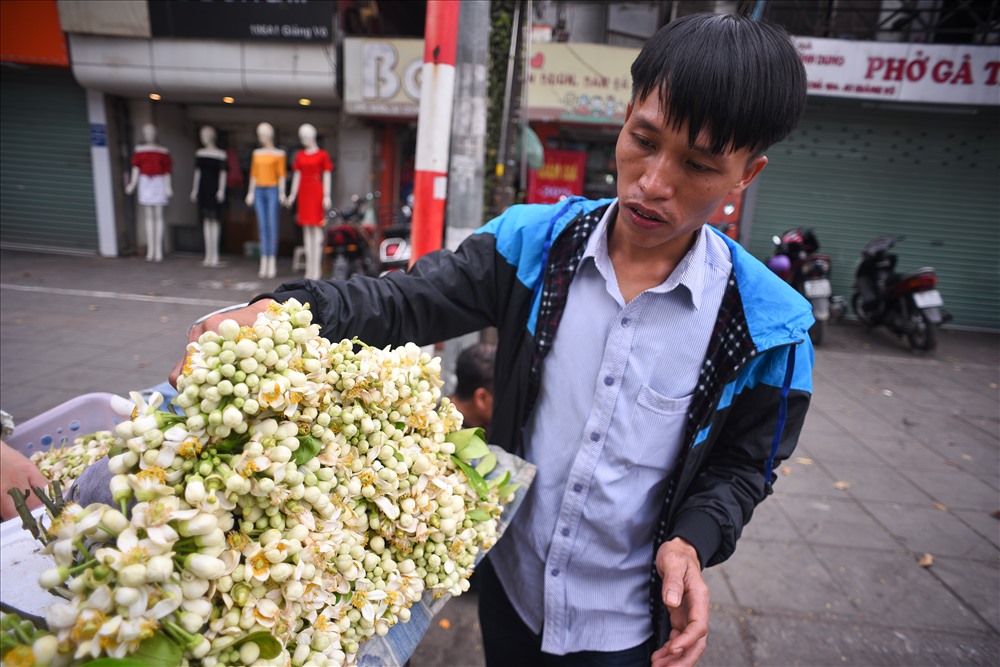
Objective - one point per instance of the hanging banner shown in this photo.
(579, 83)
(902, 72)
(561, 176)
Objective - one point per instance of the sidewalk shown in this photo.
(899, 461)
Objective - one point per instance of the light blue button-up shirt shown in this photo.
(605, 434)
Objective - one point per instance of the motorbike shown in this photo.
(394, 250)
(347, 246)
(907, 304)
(797, 261)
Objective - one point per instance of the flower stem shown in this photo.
(83, 566)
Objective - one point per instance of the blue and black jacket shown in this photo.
(514, 274)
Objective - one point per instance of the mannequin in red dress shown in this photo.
(311, 186)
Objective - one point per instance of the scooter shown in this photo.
(347, 247)
(907, 304)
(394, 250)
(797, 261)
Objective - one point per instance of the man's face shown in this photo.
(666, 188)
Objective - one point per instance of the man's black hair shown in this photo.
(741, 80)
(474, 369)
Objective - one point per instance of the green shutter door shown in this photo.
(46, 178)
(853, 173)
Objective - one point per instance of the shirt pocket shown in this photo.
(655, 429)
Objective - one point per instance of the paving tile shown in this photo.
(838, 522)
(726, 642)
(953, 487)
(812, 480)
(976, 584)
(777, 640)
(926, 529)
(769, 523)
(787, 577)
(984, 523)
(892, 589)
(835, 447)
(880, 483)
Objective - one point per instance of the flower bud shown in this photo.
(132, 575)
(194, 491)
(114, 520)
(229, 329)
(202, 524)
(53, 577)
(232, 416)
(159, 568)
(194, 588)
(206, 567)
(199, 606)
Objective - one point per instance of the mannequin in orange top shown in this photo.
(266, 194)
(151, 165)
(311, 184)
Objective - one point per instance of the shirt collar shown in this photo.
(689, 273)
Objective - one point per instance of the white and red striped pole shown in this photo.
(437, 90)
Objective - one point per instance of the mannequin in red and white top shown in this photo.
(311, 184)
(151, 165)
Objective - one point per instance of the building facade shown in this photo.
(901, 133)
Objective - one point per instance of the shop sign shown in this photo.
(31, 33)
(275, 20)
(382, 76)
(579, 83)
(902, 72)
(561, 176)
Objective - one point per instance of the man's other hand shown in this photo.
(17, 472)
(686, 596)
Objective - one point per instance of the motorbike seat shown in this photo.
(917, 272)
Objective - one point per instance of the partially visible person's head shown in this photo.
(474, 386)
(739, 79)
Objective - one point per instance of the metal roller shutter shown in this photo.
(46, 179)
(853, 172)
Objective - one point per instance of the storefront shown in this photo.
(47, 185)
(897, 139)
(181, 66)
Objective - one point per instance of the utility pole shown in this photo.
(430, 183)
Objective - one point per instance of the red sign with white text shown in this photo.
(561, 176)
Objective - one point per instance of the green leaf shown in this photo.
(309, 447)
(470, 443)
(507, 489)
(270, 647)
(475, 479)
(499, 481)
(487, 464)
(157, 651)
(478, 515)
(233, 444)
(115, 662)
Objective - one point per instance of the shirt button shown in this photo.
(555, 572)
(578, 487)
(595, 436)
(565, 532)
(625, 321)
(609, 380)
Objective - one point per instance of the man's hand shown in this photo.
(245, 316)
(17, 472)
(686, 597)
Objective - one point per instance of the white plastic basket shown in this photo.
(62, 424)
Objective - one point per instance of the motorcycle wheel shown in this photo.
(923, 336)
(859, 310)
(817, 332)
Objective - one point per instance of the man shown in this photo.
(651, 368)
(474, 385)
